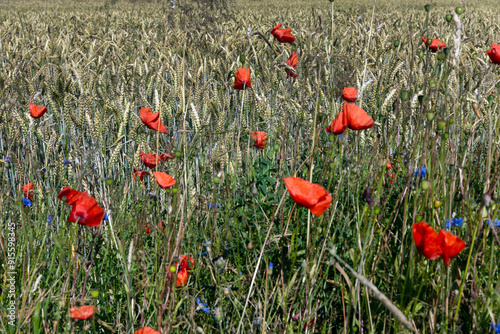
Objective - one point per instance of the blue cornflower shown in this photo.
(454, 222)
(8, 160)
(497, 329)
(106, 218)
(49, 219)
(422, 171)
(66, 162)
(212, 205)
(202, 306)
(496, 223)
(270, 268)
(271, 265)
(26, 202)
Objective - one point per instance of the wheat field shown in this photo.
(229, 248)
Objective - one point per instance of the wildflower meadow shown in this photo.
(219, 166)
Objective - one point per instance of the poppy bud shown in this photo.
(219, 87)
(174, 190)
(491, 98)
(172, 269)
(432, 83)
(419, 218)
(257, 72)
(420, 54)
(430, 116)
(451, 120)
(487, 200)
(396, 44)
(332, 165)
(242, 59)
(332, 60)
(367, 196)
(216, 180)
(448, 18)
(474, 56)
(377, 211)
(178, 154)
(412, 25)
(437, 204)
(446, 51)
(425, 184)
(276, 147)
(441, 125)
(459, 10)
(109, 181)
(64, 198)
(427, 8)
(446, 135)
(95, 293)
(440, 56)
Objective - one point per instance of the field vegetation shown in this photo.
(226, 249)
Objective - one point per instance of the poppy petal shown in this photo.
(28, 190)
(146, 330)
(350, 94)
(309, 195)
(83, 312)
(451, 245)
(357, 118)
(242, 79)
(36, 111)
(164, 180)
(152, 120)
(426, 240)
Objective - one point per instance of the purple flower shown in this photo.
(202, 306)
(496, 223)
(26, 202)
(454, 222)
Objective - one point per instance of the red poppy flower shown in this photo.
(82, 313)
(433, 245)
(164, 180)
(152, 120)
(184, 266)
(427, 241)
(389, 166)
(140, 173)
(152, 159)
(242, 79)
(435, 45)
(160, 225)
(494, 53)
(451, 245)
(84, 209)
(260, 138)
(28, 188)
(339, 124)
(37, 111)
(292, 62)
(350, 94)
(283, 35)
(146, 330)
(309, 195)
(357, 118)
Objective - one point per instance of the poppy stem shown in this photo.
(464, 276)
